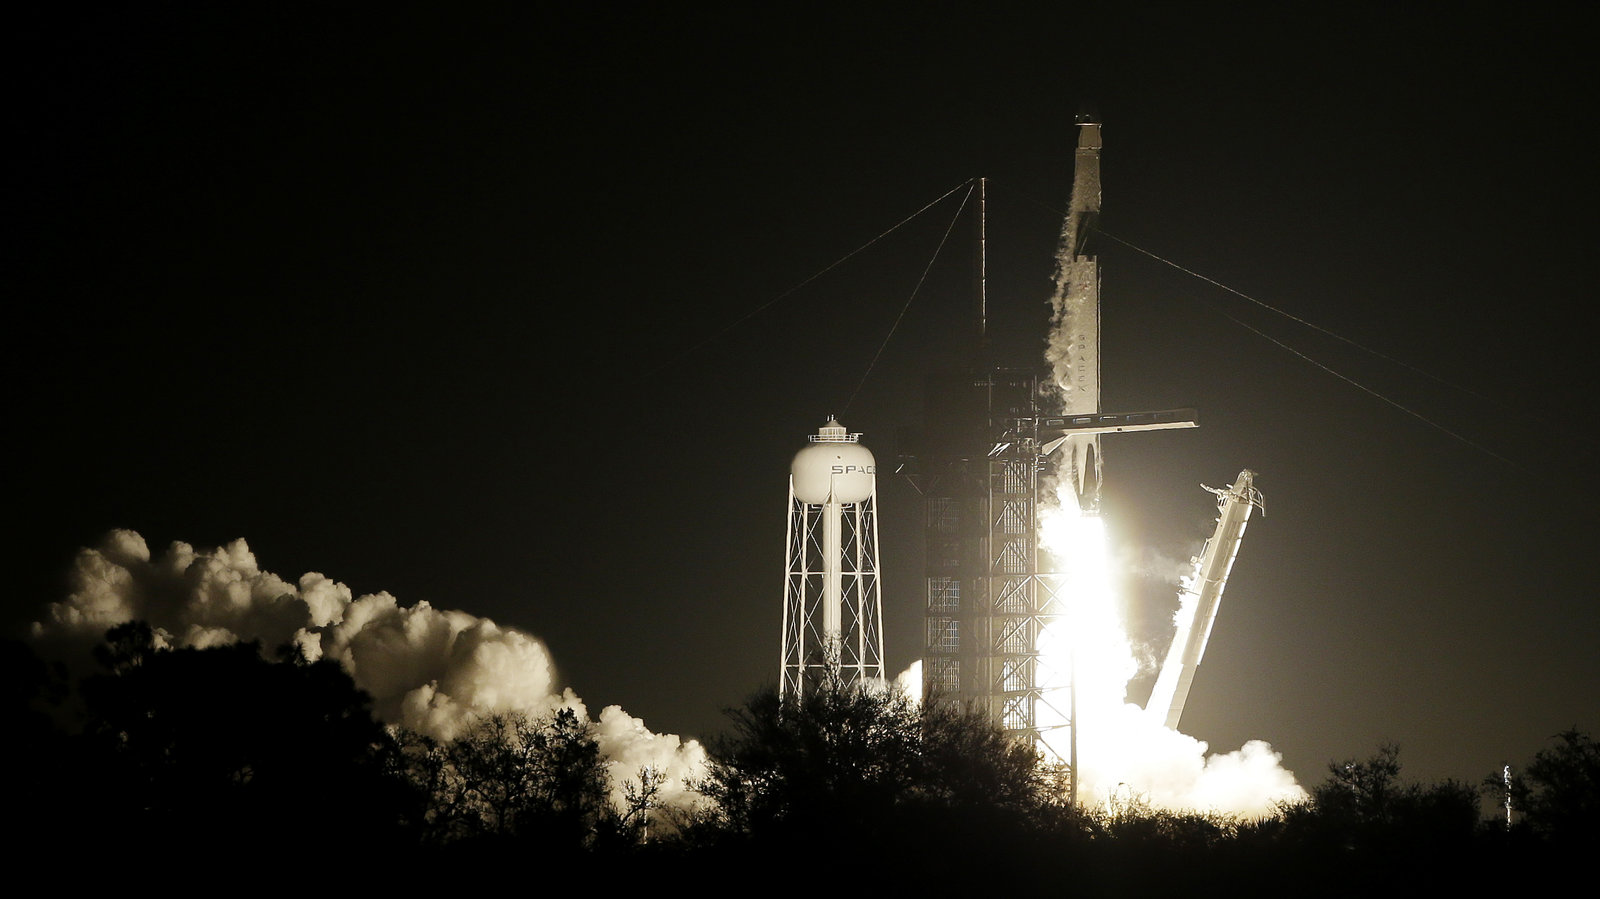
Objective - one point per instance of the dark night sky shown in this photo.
(440, 304)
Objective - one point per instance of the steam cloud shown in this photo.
(429, 670)
(1152, 564)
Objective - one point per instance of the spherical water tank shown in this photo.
(833, 465)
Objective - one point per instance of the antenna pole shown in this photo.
(983, 260)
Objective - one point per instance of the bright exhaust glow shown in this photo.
(1121, 750)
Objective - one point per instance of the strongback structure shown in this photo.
(1201, 596)
(992, 435)
(832, 598)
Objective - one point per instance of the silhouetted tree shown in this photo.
(216, 746)
(865, 774)
(37, 753)
(514, 776)
(1144, 850)
(1558, 793)
(641, 796)
(1365, 829)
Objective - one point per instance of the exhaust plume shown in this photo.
(1120, 748)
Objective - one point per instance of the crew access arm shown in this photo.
(1201, 596)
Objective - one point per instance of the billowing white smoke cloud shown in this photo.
(429, 670)
(1122, 751)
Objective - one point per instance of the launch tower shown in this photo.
(992, 436)
(978, 471)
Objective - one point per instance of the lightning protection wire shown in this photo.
(914, 291)
(1365, 389)
(1295, 318)
(1348, 380)
(835, 264)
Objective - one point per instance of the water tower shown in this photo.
(832, 600)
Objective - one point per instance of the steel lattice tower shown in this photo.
(987, 600)
(991, 433)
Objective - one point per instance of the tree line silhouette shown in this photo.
(235, 762)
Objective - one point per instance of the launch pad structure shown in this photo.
(997, 441)
(987, 599)
(1000, 445)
